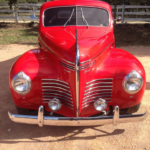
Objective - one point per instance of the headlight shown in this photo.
(100, 105)
(133, 82)
(54, 104)
(21, 83)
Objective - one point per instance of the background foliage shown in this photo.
(112, 2)
(22, 1)
(128, 2)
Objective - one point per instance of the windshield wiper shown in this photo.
(84, 18)
(69, 18)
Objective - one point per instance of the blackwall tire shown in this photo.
(132, 109)
(22, 111)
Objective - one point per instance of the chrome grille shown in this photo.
(72, 67)
(89, 65)
(99, 88)
(54, 88)
(68, 66)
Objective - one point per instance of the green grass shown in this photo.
(126, 35)
(11, 36)
(18, 34)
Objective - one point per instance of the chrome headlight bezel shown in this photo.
(21, 78)
(137, 78)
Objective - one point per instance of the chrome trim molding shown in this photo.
(47, 83)
(98, 87)
(77, 75)
(86, 66)
(99, 80)
(97, 94)
(104, 90)
(55, 87)
(82, 67)
(68, 66)
(55, 80)
(46, 99)
(57, 92)
(98, 84)
(77, 121)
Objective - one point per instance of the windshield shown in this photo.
(81, 16)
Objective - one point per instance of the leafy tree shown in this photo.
(22, 1)
(32, 1)
(2, 1)
(12, 2)
(129, 2)
(148, 2)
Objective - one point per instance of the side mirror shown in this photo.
(118, 19)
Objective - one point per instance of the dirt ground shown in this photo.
(15, 136)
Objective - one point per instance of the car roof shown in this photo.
(94, 3)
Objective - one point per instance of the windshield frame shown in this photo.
(76, 18)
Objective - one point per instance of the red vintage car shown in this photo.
(76, 77)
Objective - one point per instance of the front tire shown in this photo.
(131, 110)
(22, 111)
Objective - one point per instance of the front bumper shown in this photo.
(80, 121)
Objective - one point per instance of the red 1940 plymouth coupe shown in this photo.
(76, 74)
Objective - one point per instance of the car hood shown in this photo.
(62, 42)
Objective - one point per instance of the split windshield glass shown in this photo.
(71, 16)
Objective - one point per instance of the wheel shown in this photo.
(131, 109)
(22, 111)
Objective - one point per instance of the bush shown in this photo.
(32, 1)
(22, 1)
(2, 1)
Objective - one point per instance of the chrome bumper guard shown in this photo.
(80, 121)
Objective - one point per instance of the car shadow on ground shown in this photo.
(147, 85)
(57, 134)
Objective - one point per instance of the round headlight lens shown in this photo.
(100, 105)
(133, 82)
(54, 104)
(21, 83)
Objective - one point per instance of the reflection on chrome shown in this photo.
(77, 121)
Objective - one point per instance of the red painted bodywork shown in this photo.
(96, 43)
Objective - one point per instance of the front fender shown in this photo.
(125, 63)
(36, 65)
